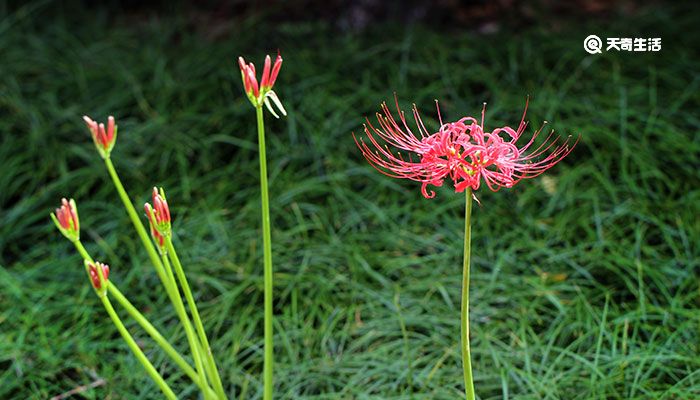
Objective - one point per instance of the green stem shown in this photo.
(212, 371)
(166, 278)
(82, 251)
(158, 338)
(138, 225)
(150, 369)
(150, 329)
(466, 354)
(191, 338)
(267, 257)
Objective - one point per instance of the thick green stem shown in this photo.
(212, 371)
(466, 354)
(191, 337)
(150, 369)
(267, 258)
(159, 339)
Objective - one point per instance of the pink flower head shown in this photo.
(460, 151)
(94, 274)
(66, 219)
(158, 217)
(263, 93)
(104, 138)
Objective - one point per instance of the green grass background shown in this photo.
(584, 282)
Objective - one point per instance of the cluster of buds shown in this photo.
(66, 220)
(263, 93)
(104, 138)
(159, 218)
(93, 270)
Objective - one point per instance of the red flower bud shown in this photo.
(261, 94)
(160, 240)
(158, 217)
(104, 138)
(161, 207)
(94, 277)
(66, 219)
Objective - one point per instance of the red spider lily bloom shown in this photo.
(104, 138)
(66, 219)
(502, 164)
(263, 93)
(460, 151)
(93, 272)
(158, 217)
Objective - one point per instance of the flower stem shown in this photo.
(159, 264)
(138, 225)
(81, 250)
(267, 258)
(466, 354)
(150, 369)
(150, 329)
(191, 337)
(212, 371)
(159, 339)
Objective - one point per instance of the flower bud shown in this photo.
(263, 93)
(158, 217)
(155, 234)
(66, 220)
(104, 138)
(94, 274)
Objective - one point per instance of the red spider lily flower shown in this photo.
(460, 151)
(158, 217)
(104, 138)
(66, 219)
(263, 93)
(94, 274)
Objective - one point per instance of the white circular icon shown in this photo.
(593, 44)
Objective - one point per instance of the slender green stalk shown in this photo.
(267, 257)
(466, 354)
(82, 251)
(191, 337)
(136, 221)
(212, 370)
(166, 278)
(150, 329)
(150, 369)
(159, 339)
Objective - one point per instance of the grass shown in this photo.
(584, 281)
